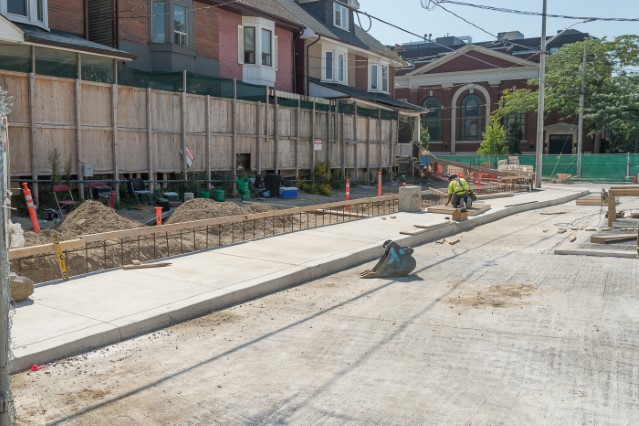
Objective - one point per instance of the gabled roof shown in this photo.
(464, 51)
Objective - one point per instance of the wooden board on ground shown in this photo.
(612, 238)
(591, 200)
(137, 265)
(449, 210)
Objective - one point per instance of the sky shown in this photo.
(410, 14)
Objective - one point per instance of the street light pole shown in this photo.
(580, 129)
(540, 101)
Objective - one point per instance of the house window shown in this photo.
(432, 119)
(170, 22)
(340, 16)
(158, 22)
(472, 117)
(378, 78)
(257, 42)
(249, 45)
(334, 68)
(267, 48)
(32, 12)
(180, 35)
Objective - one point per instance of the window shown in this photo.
(378, 78)
(32, 12)
(158, 22)
(334, 67)
(340, 16)
(257, 42)
(513, 122)
(170, 22)
(472, 118)
(267, 48)
(180, 35)
(249, 45)
(432, 119)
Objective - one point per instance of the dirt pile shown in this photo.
(91, 217)
(202, 208)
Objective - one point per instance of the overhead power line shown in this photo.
(530, 13)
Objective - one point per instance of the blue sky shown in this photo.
(409, 14)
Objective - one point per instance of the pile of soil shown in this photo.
(91, 217)
(202, 208)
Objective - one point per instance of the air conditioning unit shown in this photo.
(87, 170)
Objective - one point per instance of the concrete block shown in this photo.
(410, 199)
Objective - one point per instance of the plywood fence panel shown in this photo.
(349, 129)
(95, 105)
(320, 126)
(131, 108)
(221, 116)
(287, 153)
(166, 113)
(305, 124)
(267, 154)
(166, 152)
(132, 151)
(244, 145)
(246, 118)
(286, 122)
(195, 113)
(304, 153)
(54, 101)
(197, 143)
(271, 114)
(63, 140)
(361, 154)
(221, 153)
(350, 155)
(17, 86)
(19, 151)
(336, 154)
(97, 149)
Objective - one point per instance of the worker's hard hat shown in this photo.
(451, 177)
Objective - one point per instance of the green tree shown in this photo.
(515, 135)
(611, 89)
(493, 139)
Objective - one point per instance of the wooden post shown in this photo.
(368, 149)
(341, 116)
(208, 141)
(183, 127)
(276, 151)
(379, 139)
(114, 134)
(78, 126)
(394, 134)
(612, 208)
(297, 138)
(149, 135)
(258, 148)
(234, 137)
(328, 139)
(355, 135)
(32, 137)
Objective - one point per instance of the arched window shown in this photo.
(472, 118)
(432, 119)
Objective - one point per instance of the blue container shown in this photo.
(288, 192)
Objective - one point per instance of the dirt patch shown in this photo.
(496, 296)
(202, 208)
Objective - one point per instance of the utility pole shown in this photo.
(540, 102)
(582, 95)
(6, 406)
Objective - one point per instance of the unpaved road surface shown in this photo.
(493, 330)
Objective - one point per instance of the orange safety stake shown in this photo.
(32, 212)
(158, 215)
(379, 184)
(348, 193)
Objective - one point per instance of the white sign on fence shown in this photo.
(317, 145)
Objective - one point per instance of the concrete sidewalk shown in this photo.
(84, 313)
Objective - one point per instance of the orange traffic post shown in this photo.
(158, 215)
(348, 193)
(379, 184)
(112, 200)
(31, 207)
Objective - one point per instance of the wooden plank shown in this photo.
(605, 239)
(629, 192)
(21, 252)
(146, 265)
(449, 210)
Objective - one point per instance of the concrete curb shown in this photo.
(126, 328)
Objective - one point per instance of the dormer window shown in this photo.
(170, 22)
(340, 16)
(32, 12)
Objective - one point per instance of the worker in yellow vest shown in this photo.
(458, 192)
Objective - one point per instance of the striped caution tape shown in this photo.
(61, 262)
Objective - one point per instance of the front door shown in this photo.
(560, 144)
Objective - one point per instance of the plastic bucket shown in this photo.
(188, 196)
(204, 194)
(218, 195)
(245, 195)
(243, 184)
